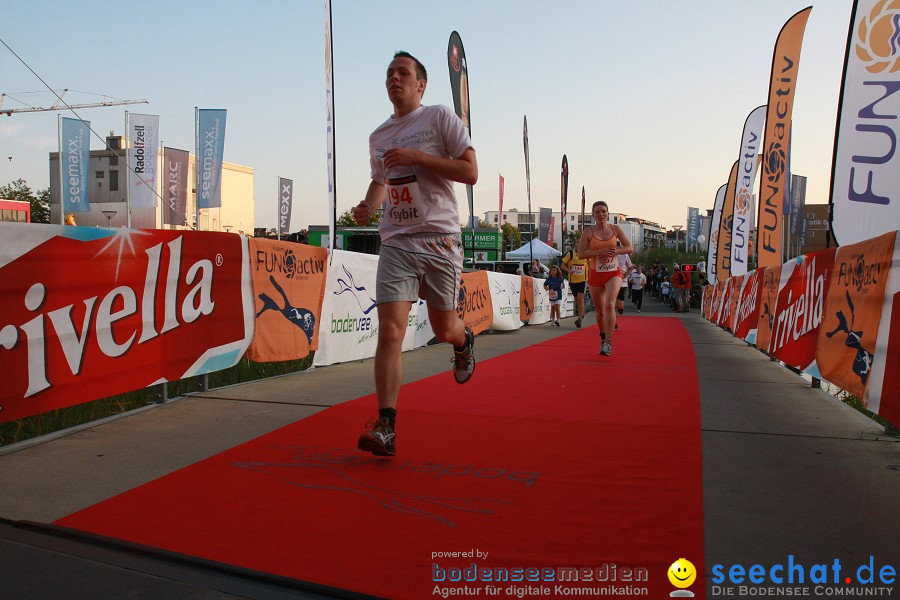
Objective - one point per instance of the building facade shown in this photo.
(108, 195)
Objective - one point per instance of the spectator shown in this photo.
(554, 286)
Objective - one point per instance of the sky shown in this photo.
(647, 99)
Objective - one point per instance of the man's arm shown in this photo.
(375, 196)
(462, 170)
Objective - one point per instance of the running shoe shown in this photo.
(606, 348)
(378, 438)
(464, 360)
(557, 323)
(578, 323)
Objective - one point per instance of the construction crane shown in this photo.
(56, 106)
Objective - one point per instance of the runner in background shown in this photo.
(577, 269)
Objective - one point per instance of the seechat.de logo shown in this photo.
(878, 38)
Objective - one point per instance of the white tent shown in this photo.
(538, 250)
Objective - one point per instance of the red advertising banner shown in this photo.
(747, 313)
(526, 299)
(846, 344)
(724, 315)
(92, 312)
(800, 309)
(288, 290)
(475, 306)
(767, 298)
(736, 289)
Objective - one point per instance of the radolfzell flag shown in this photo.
(143, 141)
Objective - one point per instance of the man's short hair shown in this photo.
(421, 73)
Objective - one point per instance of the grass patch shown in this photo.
(63, 418)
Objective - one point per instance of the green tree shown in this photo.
(345, 219)
(39, 201)
(512, 237)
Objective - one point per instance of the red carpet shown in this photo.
(550, 457)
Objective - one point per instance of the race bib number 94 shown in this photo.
(404, 202)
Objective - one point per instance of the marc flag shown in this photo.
(846, 345)
(777, 145)
(726, 223)
(74, 163)
(865, 179)
(285, 202)
(143, 142)
(288, 290)
(751, 142)
(176, 186)
(210, 152)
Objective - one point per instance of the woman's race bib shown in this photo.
(553, 294)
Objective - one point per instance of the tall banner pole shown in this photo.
(500, 215)
(748, 159)
(726, 228)
(130, 174)
(582, 209)
(197, 162)
(865, 180)
(459, 86)
(714, 235)
(329, 128)
(782, 84)
(564, 196)
(528, 189)
(62, 209)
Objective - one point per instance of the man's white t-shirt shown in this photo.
(418, 200)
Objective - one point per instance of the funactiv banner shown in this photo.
(288, 289)
(751, 141)
(777, 144)
(865, 178)
(714, 235)
(726, 223)
(91, 312)
(853, 307)
(474, 305)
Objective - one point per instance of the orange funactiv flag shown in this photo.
(475, 306)
(777, 144)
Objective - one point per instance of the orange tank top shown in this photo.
(604, 264)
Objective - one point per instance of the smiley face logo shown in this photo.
(682, 573)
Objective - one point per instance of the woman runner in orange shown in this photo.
(601, 243)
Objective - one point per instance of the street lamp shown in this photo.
(109, 214)
(677, 228)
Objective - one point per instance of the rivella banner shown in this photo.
(143, 142)
(751, 141)
(865, 178)
(777, 144)
(91, 312)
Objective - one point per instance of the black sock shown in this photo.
(388, 413)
